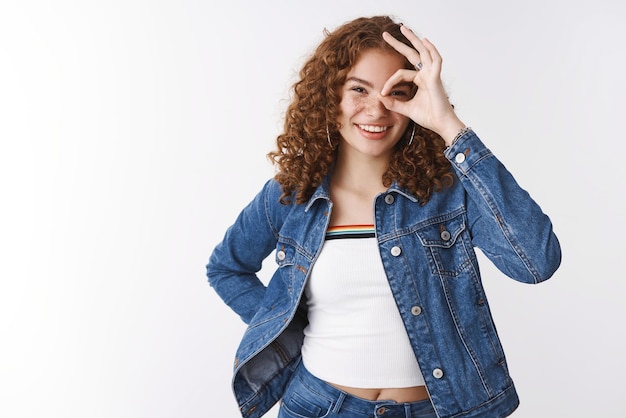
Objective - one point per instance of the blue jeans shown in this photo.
(307, 396)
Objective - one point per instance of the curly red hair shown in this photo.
(304, 155)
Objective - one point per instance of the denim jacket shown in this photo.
(428, 255)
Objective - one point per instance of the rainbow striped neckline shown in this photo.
(350, 231)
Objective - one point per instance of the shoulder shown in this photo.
(276, 211)
(273, 189)
(272, 192)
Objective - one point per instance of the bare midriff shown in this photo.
(410, 394)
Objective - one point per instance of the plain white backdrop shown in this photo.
(132, 133)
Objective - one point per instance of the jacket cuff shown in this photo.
(466, 151)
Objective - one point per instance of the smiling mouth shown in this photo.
(373, 128)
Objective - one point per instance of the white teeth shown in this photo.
(373, 128)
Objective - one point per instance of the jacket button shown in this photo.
(445, 235)
(438, 373)
(416, 310)
(389, 199)
(459, 158)
(281, 255)
(396, 251)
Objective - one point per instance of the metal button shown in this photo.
(445, 235)
(396, 251)
(416, 310)
(381, 410)
(438, 373)
(459, 158)
(389, 199)
(281, 255)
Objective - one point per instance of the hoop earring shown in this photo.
(328, 138)
(412, 136)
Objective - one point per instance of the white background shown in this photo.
(132, 133)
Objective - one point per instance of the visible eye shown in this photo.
(358, 89)
(401, 94)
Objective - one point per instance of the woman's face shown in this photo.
(366, 126)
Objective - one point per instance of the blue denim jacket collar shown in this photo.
(402, 191)
(322, 192)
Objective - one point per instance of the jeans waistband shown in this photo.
(343, 401)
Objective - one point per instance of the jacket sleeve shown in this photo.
(233, 265)
(506, 224)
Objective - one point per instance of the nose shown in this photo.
(374, 107)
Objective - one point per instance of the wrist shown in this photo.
(451, 131)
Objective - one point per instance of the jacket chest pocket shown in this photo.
(447, 244)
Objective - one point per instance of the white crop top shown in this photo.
(355, 335)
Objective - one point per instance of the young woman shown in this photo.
(376, 308)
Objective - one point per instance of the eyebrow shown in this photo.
(370, 85)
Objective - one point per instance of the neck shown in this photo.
(360, 173)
